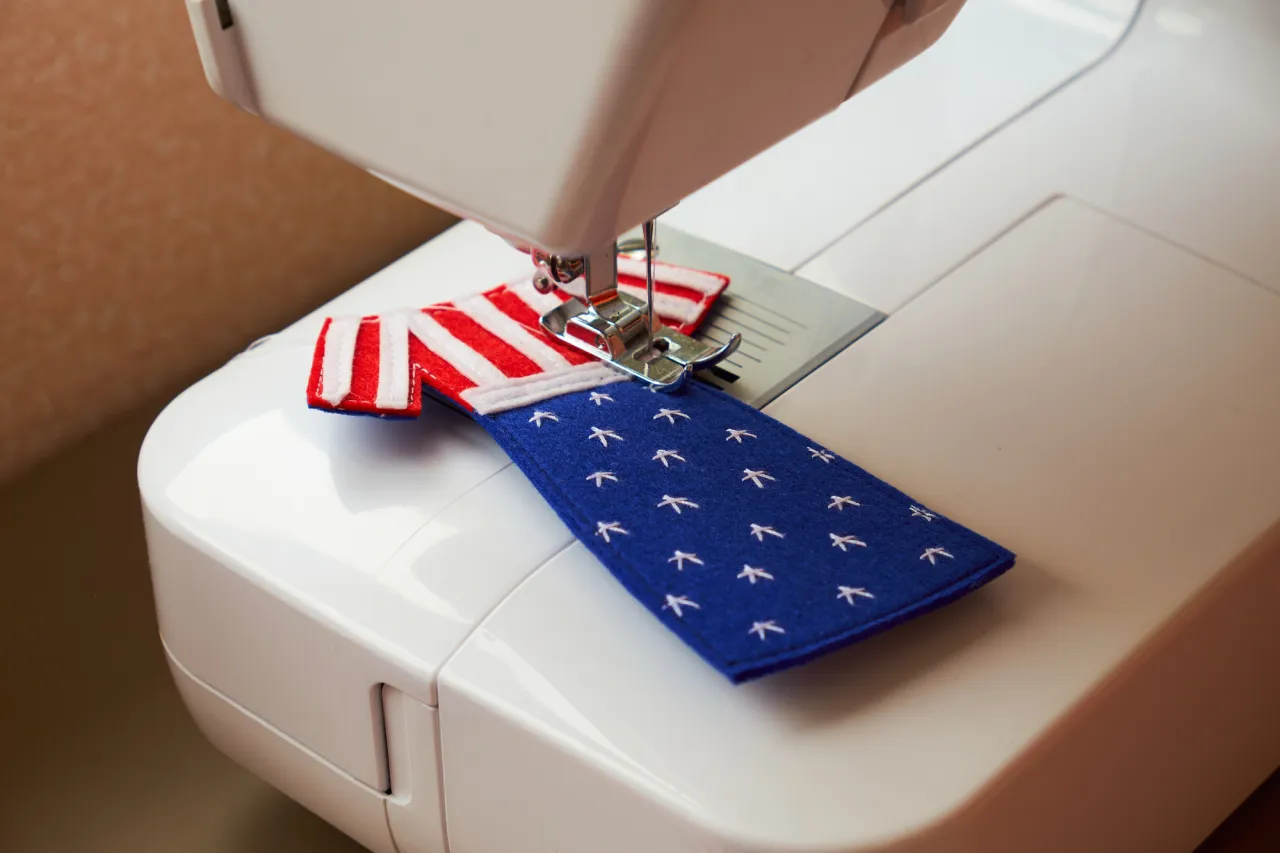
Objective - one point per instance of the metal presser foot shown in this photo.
(620, 329)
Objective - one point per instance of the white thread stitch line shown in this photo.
(605, 528)
(839, 503)
(680, 558)
(663, 455)
(752, 574)
(540, 416)
(601, 476)
(759, 531)
(843, 542)
(338, 359)
(931, 554)
(762, 629)
(671, 415)
(918, 512)
(676, 503)
(604, 435)
(756, 477)
(738, 434)
(598, 398)
(848, 593)
(675, 602)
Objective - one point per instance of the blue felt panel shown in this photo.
(759, 548)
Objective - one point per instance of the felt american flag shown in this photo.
(758, 547)
(487, 352)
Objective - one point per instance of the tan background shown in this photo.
(147, 230)
(146, 226)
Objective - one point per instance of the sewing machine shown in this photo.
(1029, 277)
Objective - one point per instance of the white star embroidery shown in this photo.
(932, 554)
(676, 503)
(755, 477)
(604, 528)
(762, 629)
(824, 455)
(601, 476)
(675, 602)
(848, 593)
(840, 503)
(680, 557)
(752, 574)
(759, 530)
(598, 398)
(843, 542)
(539, 417)
(671, 415)
(663, 455)
(737, 435)
(604, 435)
(919, 512)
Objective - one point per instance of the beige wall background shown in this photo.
(148, 228)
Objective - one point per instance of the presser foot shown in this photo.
(664, 359)
(619, 329)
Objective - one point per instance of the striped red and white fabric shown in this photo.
(487, 353)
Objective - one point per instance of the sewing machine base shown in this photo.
(362, 559)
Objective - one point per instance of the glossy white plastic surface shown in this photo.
(348, 552)
(276, 757)
(998, 59)
(1115, 425)
(415, 808)
(563, 123)
(1178, 131)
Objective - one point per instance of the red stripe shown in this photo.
(502, 355)
(364, 367)
(425, 364)
(317, 365)
(517, 309)
(677, 290)
(721, 280)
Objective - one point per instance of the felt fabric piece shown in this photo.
(757, 547)
(485, 353)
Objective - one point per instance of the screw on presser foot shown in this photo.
(617, 328)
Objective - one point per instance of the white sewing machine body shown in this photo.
(557, 124)
(1071, 231)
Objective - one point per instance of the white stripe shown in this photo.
(666, 306)
(338, 360)
(529, 295)
(702, 282)
(463, 358)
(393, 361)
(514, 393)
(493, 320)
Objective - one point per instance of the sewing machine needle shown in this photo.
(648, 283)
